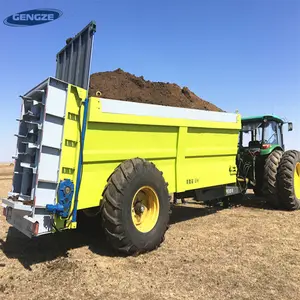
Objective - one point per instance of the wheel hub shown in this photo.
(139, 208)
(145, 209)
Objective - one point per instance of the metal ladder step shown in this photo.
(28, 166)
(34, 124)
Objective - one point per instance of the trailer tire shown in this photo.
(289, 179)
(136, 207)
(270, 178)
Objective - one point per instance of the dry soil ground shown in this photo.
(246, 252)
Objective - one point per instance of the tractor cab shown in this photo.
(262, 133)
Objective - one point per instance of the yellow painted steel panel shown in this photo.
(191, 153)
(71, 141)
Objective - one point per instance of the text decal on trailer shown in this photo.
(33, 17)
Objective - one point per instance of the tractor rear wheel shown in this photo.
(136, 207)
(289, 179)
(270, 178)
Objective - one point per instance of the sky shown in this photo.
(238, 54)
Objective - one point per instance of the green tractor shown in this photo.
(265, 166)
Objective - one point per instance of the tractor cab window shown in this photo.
(272, 133)
(255, 134)
(246, 138)
(251, 134)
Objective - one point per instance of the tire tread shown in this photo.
(286, 179)
(270, 188)
(112, 211)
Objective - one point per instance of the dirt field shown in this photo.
(247, 252)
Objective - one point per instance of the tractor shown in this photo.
(265, 166)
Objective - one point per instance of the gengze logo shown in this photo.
(33, 17)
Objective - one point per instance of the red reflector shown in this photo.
(35, 228)
(266, 146)
(4, 211)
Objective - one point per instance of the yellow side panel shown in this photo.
(71, 139)
(117, 142)
(209, 154)
(107, 145)
(71, 136)
(191, 154)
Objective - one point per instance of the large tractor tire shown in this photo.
(136, 207)
(289, 180)
(270, 178)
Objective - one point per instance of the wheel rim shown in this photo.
(145, 209)
(297, 181)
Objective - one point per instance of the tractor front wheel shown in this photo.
(136, 207)
(289, 179)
